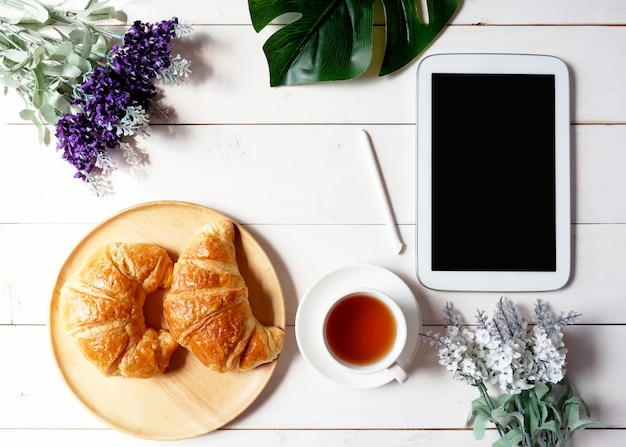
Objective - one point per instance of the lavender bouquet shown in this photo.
(94, 85)
(526, 363)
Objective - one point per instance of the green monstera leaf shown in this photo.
(332, 39)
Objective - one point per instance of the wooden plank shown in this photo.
(32, 389)
(599, 256)
(597, 89)
(598, 187)
(291, 438)
(563, 12)
(289, 174)
(230, 74)
(245, 438)
(596, 288)
(471, 11)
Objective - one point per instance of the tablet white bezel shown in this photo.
(501, 281)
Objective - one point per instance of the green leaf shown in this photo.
(480, 422)
(34, 10)
(554, 428)
(63, 50)
(333, 39)
(97, 11)
(47, 111)
(17, 56)
(578, 401)
(503, 418)
(534, 416)
(38, 55)
(581, 424)
(9, 82)
(84, 40)
(27, 114)
(505, 400)
(406, 35)
(82, 64)
(66, 71)
(509, 439)
(12, 61)
(38, 91)
(542, 391)
(479, 406)
(567, 393)
(543, 412)
(77, 36)
(60, 103)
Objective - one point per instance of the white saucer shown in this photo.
(310, 317)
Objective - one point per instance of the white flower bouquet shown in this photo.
(526, 362)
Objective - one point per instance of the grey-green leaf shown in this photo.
(581, 424)
(98, 12)
(82, 64)
(332, 39)
(48, 112)
(17, 56)
(9, 82)
(66, 71)
(60, 103)
(38, 55)
(34, 10)
(509, 439)
(27, 114)
(37, 95)
(63, 50)
(480, 422)
(503, 418)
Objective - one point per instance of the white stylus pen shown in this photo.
(398, 245)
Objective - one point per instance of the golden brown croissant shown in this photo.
(101, 308)
(207, 309)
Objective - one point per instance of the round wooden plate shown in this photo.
(188, 399)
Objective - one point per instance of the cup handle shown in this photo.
(398, 373)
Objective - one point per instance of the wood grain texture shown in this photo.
(285, 175)
(231, 79)
(298, 398)
(596, 289)
(487, 12)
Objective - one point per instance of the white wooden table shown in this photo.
(287, 163)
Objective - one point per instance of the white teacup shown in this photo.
(365, 331)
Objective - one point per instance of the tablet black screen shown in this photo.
(493, 172)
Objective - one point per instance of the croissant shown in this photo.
(101, 308)
(207, 308)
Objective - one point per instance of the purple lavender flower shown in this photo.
(108, 94)
(146, 50)
(102, 99)
(80, 148)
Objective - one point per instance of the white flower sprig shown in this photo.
(526, 362)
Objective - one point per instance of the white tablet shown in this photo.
(493, 172)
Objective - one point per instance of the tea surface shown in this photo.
(360, 330)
